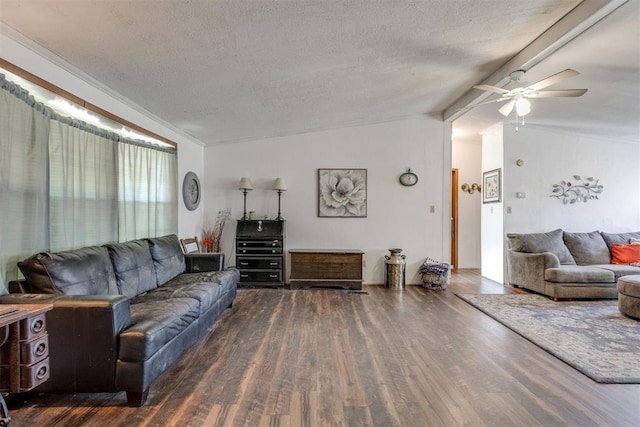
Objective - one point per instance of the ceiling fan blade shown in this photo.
(560, 93)
(553, 79)
(507, 108)
(492, 89)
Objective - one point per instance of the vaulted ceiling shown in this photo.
(223, 71)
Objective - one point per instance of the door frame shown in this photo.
(454, 218)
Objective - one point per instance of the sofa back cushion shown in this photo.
(85, 271)
(541, 242)
(622, 238)
(587, 248)
(133, 267)
(168, 258)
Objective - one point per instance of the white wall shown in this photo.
(43, 64)
(492, 215)
(397, 216)
(467, 158)
(551, 157)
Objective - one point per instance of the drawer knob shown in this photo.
(42, 372)
(244, 275)
(273, 276)
(273, 263)
(37, 326)
(40, 349)
(244, 263)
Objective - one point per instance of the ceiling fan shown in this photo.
(517, 97)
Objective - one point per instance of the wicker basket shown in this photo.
(435, 275)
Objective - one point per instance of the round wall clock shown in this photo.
(191, 191)
(408, 178)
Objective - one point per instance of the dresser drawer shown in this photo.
(33, 327)
(275, 243)
(30, 376)
(34, 351)
(244, 263)
(259, 251)
(261, 276)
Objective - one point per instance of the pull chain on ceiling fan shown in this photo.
(518, 97)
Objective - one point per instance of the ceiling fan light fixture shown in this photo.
(507, 108)
(523, 107)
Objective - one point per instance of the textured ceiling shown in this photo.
(237, 70)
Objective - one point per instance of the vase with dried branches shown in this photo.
(212, 233)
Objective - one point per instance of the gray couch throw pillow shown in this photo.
(587, 248)
(542, 242)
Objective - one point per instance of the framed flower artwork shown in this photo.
(342, 193)
(492, 186)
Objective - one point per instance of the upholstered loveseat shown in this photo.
(567, 265)
(122, 313)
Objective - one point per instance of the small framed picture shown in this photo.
(342, 193)
(491, 186)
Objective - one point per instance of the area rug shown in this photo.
(592, 336)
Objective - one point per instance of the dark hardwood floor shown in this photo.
(337, 358)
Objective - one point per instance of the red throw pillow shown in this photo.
(625, 254)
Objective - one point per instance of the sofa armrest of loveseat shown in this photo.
(200, 262)
(526, 270)
(83, 339)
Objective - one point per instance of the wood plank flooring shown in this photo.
(331, 357)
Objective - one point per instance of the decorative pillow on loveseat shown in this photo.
(542, 242)
(625, 254)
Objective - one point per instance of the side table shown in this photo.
(24, 350)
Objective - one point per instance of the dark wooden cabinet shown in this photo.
(24, 350)
(326, 268)
(260, 249)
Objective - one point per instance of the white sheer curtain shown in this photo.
(23, 181)
(83, 188)
(147, 192)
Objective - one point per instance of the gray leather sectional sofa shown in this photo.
(566, 265)
(122, 313)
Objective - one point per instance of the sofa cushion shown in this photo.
(587, 248)
(168, 258)
(541, 242)
(206, 288)
(85, 271)
(133, 266)
(153, 324)
(578, 274)
(611, 238)
(619, 270)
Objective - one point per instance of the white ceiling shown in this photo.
(239, 70)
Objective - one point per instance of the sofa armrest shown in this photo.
(526, 270)
(83, 339)
(199, 262)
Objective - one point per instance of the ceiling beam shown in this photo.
(570, 26)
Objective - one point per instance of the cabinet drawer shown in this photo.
(259, 251)
(259, 263)
(32, 327)
(34, 351)
(275, 243)
(30, 376)
(260, 276)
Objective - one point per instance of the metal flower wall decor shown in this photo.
(583, 190)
